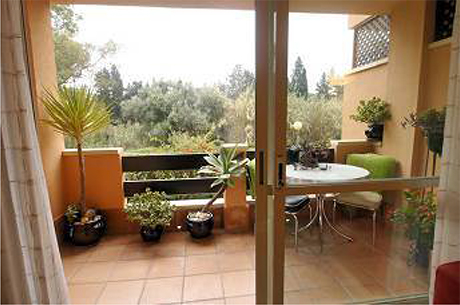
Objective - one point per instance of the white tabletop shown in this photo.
(335, 173)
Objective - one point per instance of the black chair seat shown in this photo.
(295, 204)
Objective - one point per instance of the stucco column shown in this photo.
(236, 209)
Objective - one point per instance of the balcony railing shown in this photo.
(199, 185)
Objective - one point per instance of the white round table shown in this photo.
(334, 173)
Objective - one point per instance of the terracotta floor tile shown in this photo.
(248, 299)
(200, 264)
(297, 297)
(367, 292)
(138, 251)
(229, 243)
(125, 292)
(334, 294)
(202, 246)
(120, 239)
(347, 273)
(169, 249)
(300, 257)
(85, 293)
(93, 273)
(290, 280)
(214, 301)
(161, 291)
(235, 261)
(74, 254)
(130, 270)
(313, 276)
(167, 267)
(106, 253)
(70, 268)
(202, 287)
(238, 283)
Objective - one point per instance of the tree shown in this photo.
(77, 113)
(237, 82)
(73, 58)
(132, 89)
(109, 88)
(323, 88)
(298, 84)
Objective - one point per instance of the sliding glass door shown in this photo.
(333, 223)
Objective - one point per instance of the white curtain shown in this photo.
(447, 237)
(31, 270)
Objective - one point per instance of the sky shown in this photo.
(202, 46)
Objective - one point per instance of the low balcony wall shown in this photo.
(344, 147)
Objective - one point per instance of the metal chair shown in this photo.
(293, 206)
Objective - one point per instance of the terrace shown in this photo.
(221, 268)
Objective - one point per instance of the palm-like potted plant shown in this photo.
(374, 113)
(152, 211)
(77, 113)
(225, 168)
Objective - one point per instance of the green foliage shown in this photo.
(73, 58)
(373, 111)
(324, 88)
(321, 121)
(224, 167)
(184, 143)
(75, 112)
(149, 209)
(238, 81)
(418, 218)
(109, 87)
(432, 123)
(298, 84)
(64, 19)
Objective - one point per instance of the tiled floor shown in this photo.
(220, 270)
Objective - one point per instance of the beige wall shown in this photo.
(43, 75)
(414, 79)
(360, 86)
(354, 20)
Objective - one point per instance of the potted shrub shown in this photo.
(77, 113)
(224, 167)
(374, 113)
(152, 211)
(418, 218)
(432, 124)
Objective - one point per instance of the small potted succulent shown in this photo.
(418, 218)
(224, 167)
(152, 211)
(374, 113)
(432, 124)
(77, 113)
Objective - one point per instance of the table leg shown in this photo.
(337, 231)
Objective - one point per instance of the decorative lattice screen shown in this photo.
(445, 12)
(372, 41)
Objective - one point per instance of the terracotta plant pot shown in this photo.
(200, 228)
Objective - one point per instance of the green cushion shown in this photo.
(379, 166)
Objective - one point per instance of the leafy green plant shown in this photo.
(432, 124)
(418, 218)
(224, 167)
(76, 113)
(373, 111)
(149, 209)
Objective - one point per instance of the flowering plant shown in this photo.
(419, 218)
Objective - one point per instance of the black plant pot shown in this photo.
(422, 256)
(374, 132)
(435, 142)
(200, 228)
(293, 154)
(85, 234)
(152, 234)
